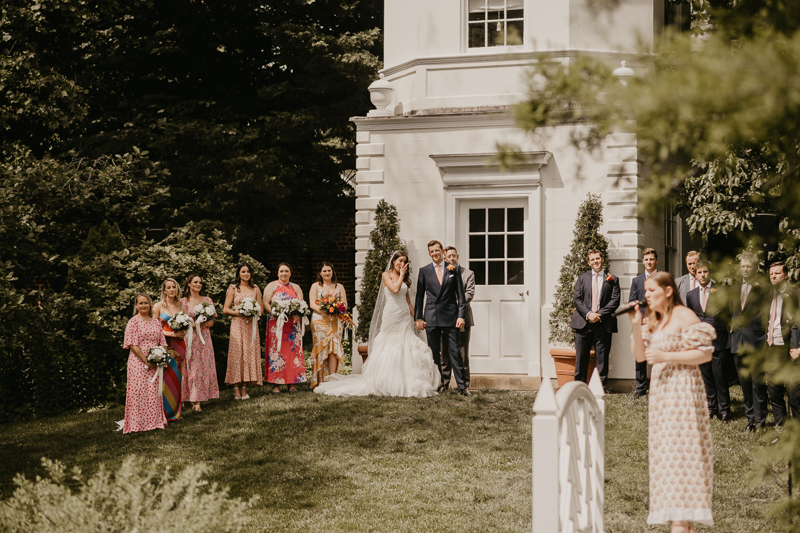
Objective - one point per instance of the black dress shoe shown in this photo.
(750, 428)
(639, 394)
(712, 416)
(464, 392)
(726, 418)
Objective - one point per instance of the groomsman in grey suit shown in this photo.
(688, 282)
(468, 277)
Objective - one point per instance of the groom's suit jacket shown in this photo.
(444, 303)
(608, 302)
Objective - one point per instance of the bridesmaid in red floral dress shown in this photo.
(200, 371)
(143, 409)
(244, 349)
(286, 365)
(169, 306)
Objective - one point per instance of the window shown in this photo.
(496, 245)
(495, 23)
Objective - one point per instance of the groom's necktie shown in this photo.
(439, 272)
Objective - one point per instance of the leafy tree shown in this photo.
(586, 237)
(384, 240)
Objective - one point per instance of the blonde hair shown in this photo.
(178, 291)
(664, 280)
(149, 301)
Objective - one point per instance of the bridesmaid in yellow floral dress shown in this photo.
(244, 350)
(327, 357)
(675, 342)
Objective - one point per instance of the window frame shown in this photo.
(466, 26)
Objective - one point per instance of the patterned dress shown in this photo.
(287, 365)
(681, 453)
(143, 407)
(173, 373)
(200, 371)
(244, 349)
(326, 330)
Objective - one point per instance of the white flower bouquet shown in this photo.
(180, 322)
(204, 312)
(248, 307)
(283, 309)
(157, 355)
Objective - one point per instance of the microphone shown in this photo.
(630, 307)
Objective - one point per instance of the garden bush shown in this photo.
(141, 496)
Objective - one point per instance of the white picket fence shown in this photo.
(569, 458)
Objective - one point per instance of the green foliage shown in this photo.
(142, 495)
(586, 237)
(384, 240)
(101, 240)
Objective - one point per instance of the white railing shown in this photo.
(569, 458)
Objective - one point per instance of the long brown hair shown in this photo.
(654, 318)
(188, 291)
(397, 255)
(319, 273)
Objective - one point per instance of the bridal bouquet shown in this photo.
(157, 355)
(180, 322)
(248, 307)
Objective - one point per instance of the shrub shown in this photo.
(384, 240)
(140, 496)
(586, 237)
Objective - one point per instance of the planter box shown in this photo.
(564, 359)
(363, 351)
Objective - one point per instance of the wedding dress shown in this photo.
(399, 362)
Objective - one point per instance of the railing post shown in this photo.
(545, 460)
(596, 388)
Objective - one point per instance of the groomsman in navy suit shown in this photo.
(649, 260)
(748, 336)
(711, 309)
(596, 297)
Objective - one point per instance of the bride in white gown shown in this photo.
(399, 362)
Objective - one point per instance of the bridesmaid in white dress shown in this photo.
(400, 363)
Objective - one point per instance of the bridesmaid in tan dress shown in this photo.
(675, 342)
(327, 357)
(244, 350)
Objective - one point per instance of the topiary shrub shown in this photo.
(586, 237)
(142, 495)
(384, 240)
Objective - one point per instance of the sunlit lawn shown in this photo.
(385, 465)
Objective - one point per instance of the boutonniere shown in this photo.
(610, 278)
(451, 267)
(713, 290)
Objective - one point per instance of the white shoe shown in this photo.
(245, 397)
(235, 398)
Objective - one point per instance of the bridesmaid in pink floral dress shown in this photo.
(286, 365)
(143, 407)
(681, 455)
(200, 371)
(244, 350)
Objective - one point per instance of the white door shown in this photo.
(493, 244)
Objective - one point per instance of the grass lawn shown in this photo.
(390, 465)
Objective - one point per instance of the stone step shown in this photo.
(502, 382)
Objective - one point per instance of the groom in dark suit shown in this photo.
(440, 308)
(596, 297)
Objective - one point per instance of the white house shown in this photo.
(452, 70)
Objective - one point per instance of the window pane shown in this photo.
(515, 219)
(516, 272)
(477, 220)
(479, 267)
(516, 245)
(497, 273)
(514, 4)
(515, 14)
(477, 246)
(514, 32)
(497, 34)
(477, 9)
(497, 218)
(477, 35)
(477, 16)
(496, 247)
(495, 15)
